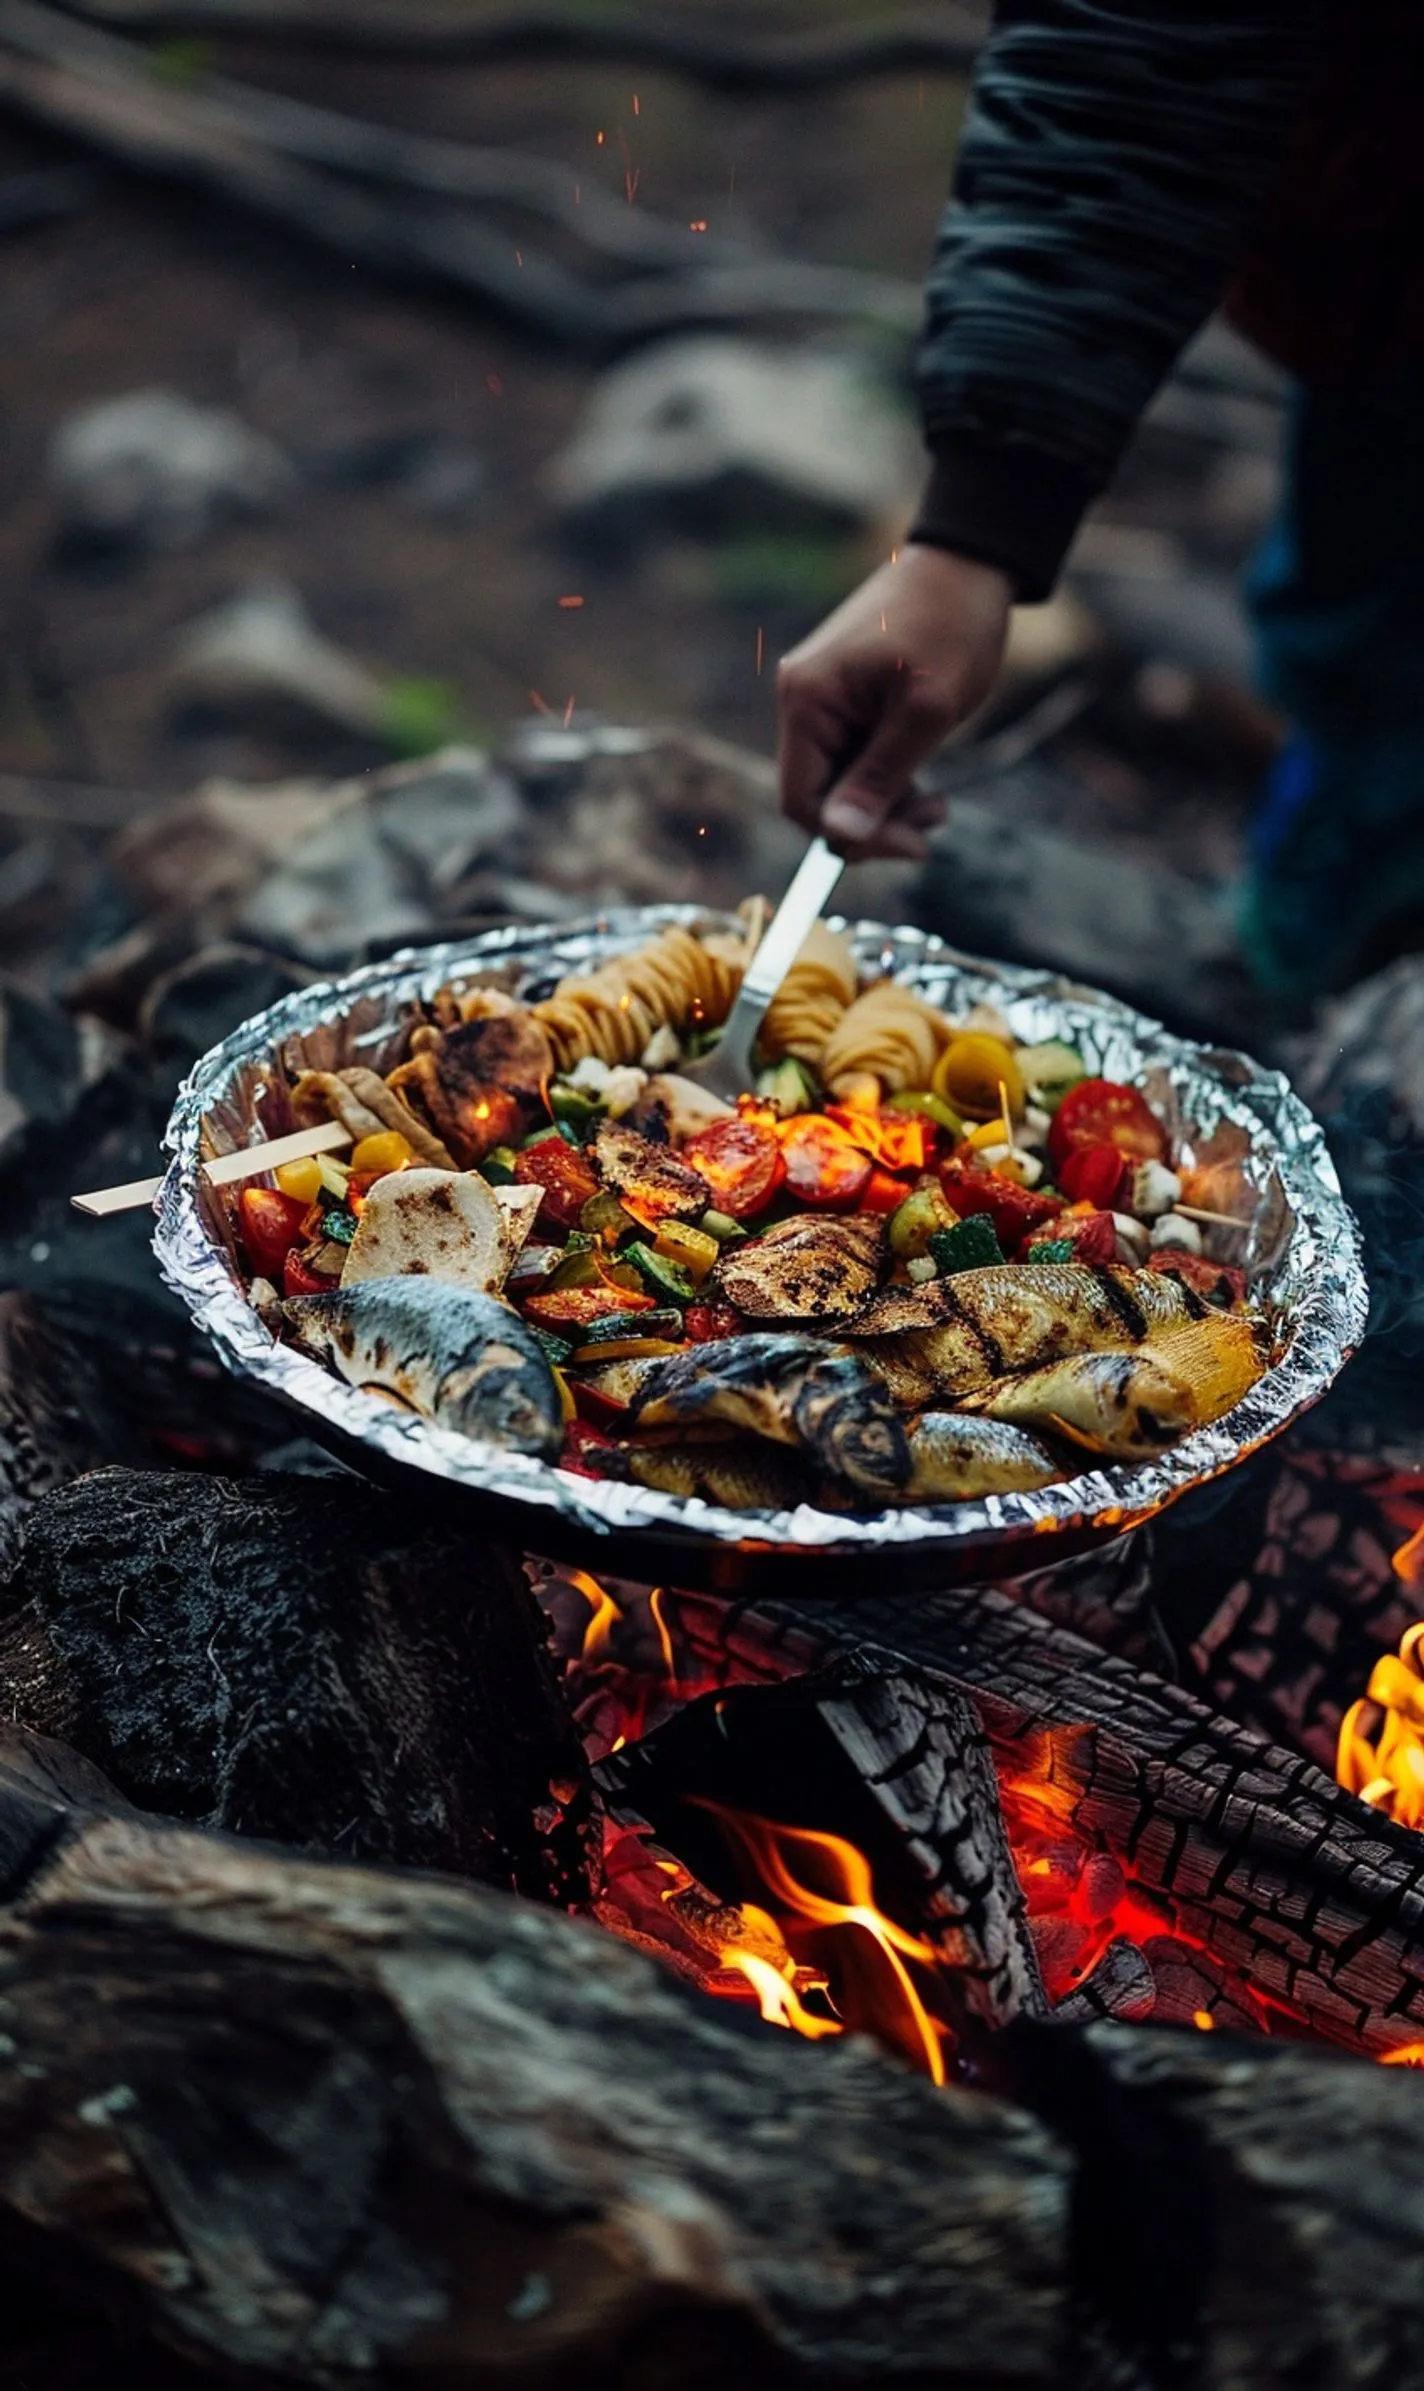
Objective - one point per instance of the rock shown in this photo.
(151, 469)
(196, 1005)
(42, 1072)
(261, 649)
(710, 432)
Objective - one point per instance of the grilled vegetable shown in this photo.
(566, 1178)
(578, 1308)
(1096, 1175)
(933, 1107)
(970, 1244)
(634, 1321)
(793, 1391)
(270, 1225)
(916, 1221)
(649, 1179)
(971, 1073)
(1102, 1112)
(661, 1276)
(1014, 1210)
(693, 1250)
(741, 1162)
(897, 1141)
(824, 1165)
(1049, 1071)
(803, 1269)
(789, 1086)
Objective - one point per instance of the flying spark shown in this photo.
(571, 600)
(759, 647)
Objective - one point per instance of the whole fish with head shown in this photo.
(792, 1390)
(1130, 1405)
(457, 1356)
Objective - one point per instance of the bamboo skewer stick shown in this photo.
(1221, 1220)
(222, 1170)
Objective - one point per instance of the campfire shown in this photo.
(891, 1969)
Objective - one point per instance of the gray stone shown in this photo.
(151, 469)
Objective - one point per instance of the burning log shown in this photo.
(298, 2120)
(785, 1795)
(300, 1659)
(1243, 1851)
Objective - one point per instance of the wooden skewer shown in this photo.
(1222, 1220)
(223, 1170)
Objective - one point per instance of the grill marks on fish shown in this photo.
(792, 1390)
(943, 1341)
(805, 1268)
(456, 1356)
(1130, 1405)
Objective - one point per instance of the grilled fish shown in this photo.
(744, 1475)
(792, 1390)
(456, 1356)
(1127, 1405)
(944, 1340)
(955, 1457)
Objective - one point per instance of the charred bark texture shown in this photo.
(893, 1761)
(335, 2124)
(1248, 1850)
(296, 1659)
(312, 2122)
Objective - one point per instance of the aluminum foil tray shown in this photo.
(1302, 1255)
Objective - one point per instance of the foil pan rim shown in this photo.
(1320, 1294)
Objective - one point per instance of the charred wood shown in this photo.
(297, 2119)
(300, 1659)
(891, 1761)
(1248, 1850)
(340, 2125)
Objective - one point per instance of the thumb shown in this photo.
(870, 788)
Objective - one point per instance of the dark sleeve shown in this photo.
(1114, 161)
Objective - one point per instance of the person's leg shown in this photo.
(1336, 874)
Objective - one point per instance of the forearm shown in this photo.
(1115, 159)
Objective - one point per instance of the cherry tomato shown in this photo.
(271, 1224)
(1092, 1235)
(704, 1321)
(824, 1167)
(576, 1307)
(741, 1161)
(882, 1193)
(298, 1279)
(1015, 1211)
(582, 1445)
(1101, 1112)
(568, 1181)
(1097, 1175)
(1218, 1283)
(898, 1141)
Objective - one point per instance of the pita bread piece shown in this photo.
(432, 1224)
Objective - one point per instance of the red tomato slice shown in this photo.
(1101, 1112)
(1097, 1175)
(882, 1193)
(568, 1181)
(271, 1225)
(297, 1279)
(898, 1141)
(1015, 1211)
(576, 1307)
(704, 1321)
(582, 1443)
(1217, 1282)
(741, 1162)
(823, 1166)
(1092, 1235)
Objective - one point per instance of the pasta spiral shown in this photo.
(812, 998)
(889, 1031)
(677, 982)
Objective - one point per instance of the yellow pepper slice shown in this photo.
(384, 1150)
(971, 1072)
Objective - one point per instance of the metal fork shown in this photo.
(727, 1070)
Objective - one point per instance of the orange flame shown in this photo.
(655, 1605)
(1380, 1754)
(779, 2002)
(605, 1612)
(771, 1848)
(1408, 1562)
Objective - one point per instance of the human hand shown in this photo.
(873, 691)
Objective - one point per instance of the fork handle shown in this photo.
(801, 906)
